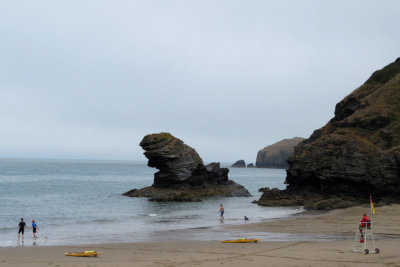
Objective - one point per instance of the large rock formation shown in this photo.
(276, 155)
(239, 164)
(182, 175)
(355, 155)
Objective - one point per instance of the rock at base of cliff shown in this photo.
(310, 200)
(239, 164)
(189, 193)
(250, 165)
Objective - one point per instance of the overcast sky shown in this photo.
(88, 79)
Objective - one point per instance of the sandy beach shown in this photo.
(336, 251)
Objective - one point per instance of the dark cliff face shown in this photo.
(182, 175)
(276, 155)
(357, 153)
(175, 160)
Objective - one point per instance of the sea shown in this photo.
(76, 202)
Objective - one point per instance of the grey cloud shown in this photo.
(88, 79)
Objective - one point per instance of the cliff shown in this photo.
(276, 155)
(239, 164)
(355, 155)
(182, 175)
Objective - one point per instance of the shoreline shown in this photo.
(341, 224)
(214, 232)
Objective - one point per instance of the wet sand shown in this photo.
(339, 225)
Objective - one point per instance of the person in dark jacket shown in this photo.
(21, 230)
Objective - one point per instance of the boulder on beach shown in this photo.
(354, 156)
(239, 164)
(276, 155)
(182, 176)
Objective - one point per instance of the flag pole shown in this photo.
(371, 206)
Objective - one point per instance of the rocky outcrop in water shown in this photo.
(182, 176)
(276, 155)
(250, 165)
(355, 155)
(239, 164)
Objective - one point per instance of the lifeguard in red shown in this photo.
(365, 221)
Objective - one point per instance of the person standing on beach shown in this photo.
(21, 225)
(221, 211)
(35, 228)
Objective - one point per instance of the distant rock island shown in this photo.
(239, 164)
(250, 165)
(355, 155)
(182, 175)
(276, 155)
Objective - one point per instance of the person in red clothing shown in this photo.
(365, 222)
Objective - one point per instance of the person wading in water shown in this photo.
(35, 229)
(221, 211)
(21, 225)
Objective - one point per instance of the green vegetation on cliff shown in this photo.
(355, 155)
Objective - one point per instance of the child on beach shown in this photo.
(21, 226)
(35, 229)
(221, 212)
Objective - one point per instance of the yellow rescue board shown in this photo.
(83, 254)
(241, 240)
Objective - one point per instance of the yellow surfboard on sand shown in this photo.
(86, 253)
(242, 240)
